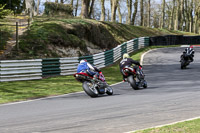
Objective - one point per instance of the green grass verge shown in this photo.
(23, 90)
(192, 126)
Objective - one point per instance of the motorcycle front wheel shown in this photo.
(89, 89)
(145, 84)
(132, 82)
(109, 90)
(183, 64)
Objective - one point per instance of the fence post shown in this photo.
(17, 36)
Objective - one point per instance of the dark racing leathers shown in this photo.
(127, 62)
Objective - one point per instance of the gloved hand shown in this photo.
(98, 70)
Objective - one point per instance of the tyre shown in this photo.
(132, 82)
(145, 84)
(109, 90)
(183, 64)
(88, 88)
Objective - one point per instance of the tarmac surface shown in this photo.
(172, 95)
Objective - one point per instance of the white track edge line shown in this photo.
(165, 124)
(142, 56)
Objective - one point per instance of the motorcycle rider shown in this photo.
(189, 50)
(86, 67)
(127, 61)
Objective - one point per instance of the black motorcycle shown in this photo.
(135, 77)
(94, 87)
(185, 59)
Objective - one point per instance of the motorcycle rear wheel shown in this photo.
(132, 82)
(182, 64)
(89, 90)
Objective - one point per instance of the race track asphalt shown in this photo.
(172, 95)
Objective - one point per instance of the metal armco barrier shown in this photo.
(15, 70)
(50, 67)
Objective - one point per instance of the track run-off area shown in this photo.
(172, 95)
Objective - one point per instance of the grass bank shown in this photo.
(192, 126)
(56, 37)
(23, 90)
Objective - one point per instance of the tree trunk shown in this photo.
(72, 2)
(163, 14)
(91, 8)
(171, 23)
(182, 14)
(187, 16)
(84, 8)
(114, 8)
(76, 9)
(102, 10)
(191, 15)
(145, 19)
(156, 20)
(30, 8)
(135, 12)
(198, 26)
(149, 10)
(61, 1)
(119, 13)
(197, 8)
(38, 4)
(129, 6)
(108, 15)
(141, 13)
(177, 15)
(56, 1)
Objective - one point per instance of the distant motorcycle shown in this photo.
(185, 59)
(92, 87)
(135, 77)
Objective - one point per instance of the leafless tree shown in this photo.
(177, 14)
(102, 10)
(91, 8)
(114, 4)
(76, 7)
(163, 14)
(38, 4)
(149, 13)
(119, 12)
(84, 8)
(129, 7)
(141, 13)
(135, 12)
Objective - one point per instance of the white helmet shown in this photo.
(82, 61)
(125, 55)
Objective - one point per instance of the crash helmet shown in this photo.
(125, 55)
(82, 61)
